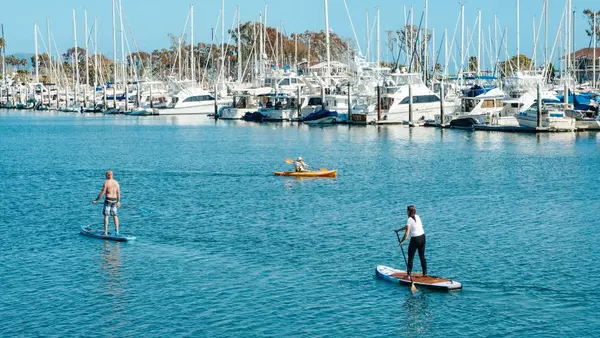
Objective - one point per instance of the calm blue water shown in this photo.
(230, 250)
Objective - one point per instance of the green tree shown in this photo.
(410, 36)
(472, 63)
(550, 72)
(589, 14)
(511, 66)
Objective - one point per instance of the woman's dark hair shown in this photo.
(411, 211)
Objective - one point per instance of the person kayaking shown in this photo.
(300, 165)
(112, 190)
(414, 228)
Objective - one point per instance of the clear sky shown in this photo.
(152, 20)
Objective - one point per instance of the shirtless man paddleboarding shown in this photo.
(112, 201)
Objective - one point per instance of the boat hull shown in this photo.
(553, 123)
(195, 110)
(321, 173)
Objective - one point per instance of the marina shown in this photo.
(304, 251)
(215, 169)
(272, 76)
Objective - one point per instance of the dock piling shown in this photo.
(378, 103)
(566, 97)
(103, 98)
(216, 108)
(539, 105)
(298, 102)
(410, 105)
(442, 115)
(349, 104)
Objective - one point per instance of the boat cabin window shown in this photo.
(240, 102)
(294, 80)
(198, 98)
(315, 101)
(421, 99)
(284, 82)
(487, 104)
(387, 102)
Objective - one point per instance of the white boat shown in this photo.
(334, 102)
(395, 101)
(486, 108)
(279, 107)
(323, 116)
(242, 104)
(553, 117)
(189, 101)
(585, 120)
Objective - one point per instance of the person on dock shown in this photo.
(300, 165)
(112, 190)
(414, 228)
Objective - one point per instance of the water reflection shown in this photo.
(112, 268)
(418, 315)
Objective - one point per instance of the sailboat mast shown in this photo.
(239, 46)
(378, 41)
(223, 40)
(462, 41)
(123, 72)
(261, 45)
(368, 39)
(192, 62)
(75, 59)
(327, 42)
(446, 60)
(479, 43)
(49, 47)
(518, 37)
(95, 58)
(255, 54)
(545, 33)
(594, 53)
(37, 74)
(425, 43)
(87, 57)
(114, 23)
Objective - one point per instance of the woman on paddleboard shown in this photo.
(414, 228)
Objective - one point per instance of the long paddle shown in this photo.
(413, 288)
(290, 161)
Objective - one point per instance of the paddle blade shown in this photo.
(289, 161)
(413, 288)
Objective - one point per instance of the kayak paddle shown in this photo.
(413, 288)
(289, 161)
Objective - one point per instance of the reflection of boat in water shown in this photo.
(141, 111)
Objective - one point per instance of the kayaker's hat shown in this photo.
(299, 159)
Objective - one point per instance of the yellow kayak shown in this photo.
(320, 173)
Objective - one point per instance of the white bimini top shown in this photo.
(416, 228)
